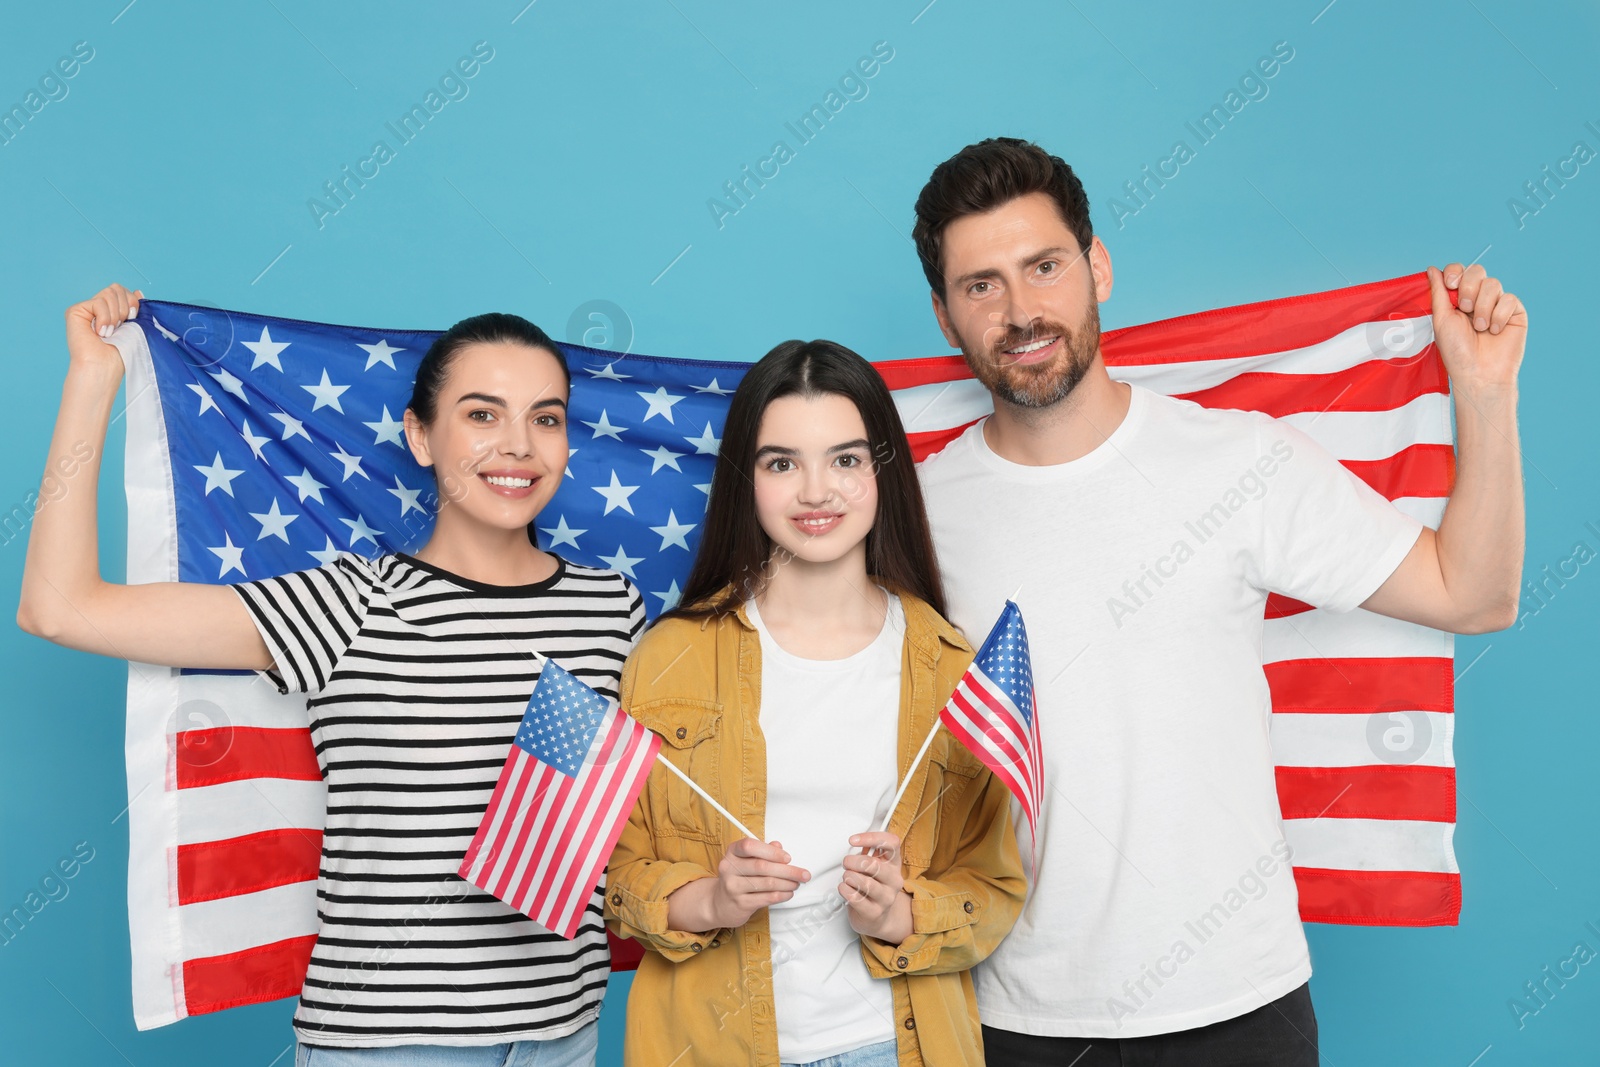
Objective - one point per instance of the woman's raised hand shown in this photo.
(89, 324)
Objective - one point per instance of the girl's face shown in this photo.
(498, 440)
(816, 487)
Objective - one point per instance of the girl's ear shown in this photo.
(417, 439)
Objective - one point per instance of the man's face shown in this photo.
(1022, 301)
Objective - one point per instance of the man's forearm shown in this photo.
(1481, 537)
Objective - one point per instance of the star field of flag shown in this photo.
(1004, 659)
(562, 716)
(287, 446)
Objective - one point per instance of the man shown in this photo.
(1161, 786)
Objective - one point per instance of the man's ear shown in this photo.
(942, 313)
(417, 439)
(1100, 268)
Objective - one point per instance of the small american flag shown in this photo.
(992, 712)
(575, 769)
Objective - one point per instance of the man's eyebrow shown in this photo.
(1033, 257)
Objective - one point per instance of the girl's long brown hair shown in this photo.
(735, 549)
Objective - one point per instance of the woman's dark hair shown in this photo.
(493, 328)
(735, 549)
(980, 178)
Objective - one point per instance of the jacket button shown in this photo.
(967, 907)
(911, 1024)
(616, 900)
(901, 962)
(715, 942)
(682, 733)
(696, 947)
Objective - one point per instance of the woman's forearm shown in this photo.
(689, 907)
(62, 567)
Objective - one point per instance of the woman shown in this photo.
(806, 665)
(418, 669)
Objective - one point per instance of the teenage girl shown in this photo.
(418, 668)
(806, 666)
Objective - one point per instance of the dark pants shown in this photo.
(1282, 1033)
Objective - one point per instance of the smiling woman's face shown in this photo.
(498, 440)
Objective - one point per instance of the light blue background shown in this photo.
(578, 168)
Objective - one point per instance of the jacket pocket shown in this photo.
(690, 731)
(951, 771)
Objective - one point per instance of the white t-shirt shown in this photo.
(831, 728)
(1142, 570)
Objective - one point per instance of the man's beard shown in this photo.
(1043, 384)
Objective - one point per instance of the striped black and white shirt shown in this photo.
(417, 679)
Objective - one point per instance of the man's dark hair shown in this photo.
(983, 176)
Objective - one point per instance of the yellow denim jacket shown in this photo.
(707, 998)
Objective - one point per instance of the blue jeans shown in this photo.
(879, 1055)
(574, 1050)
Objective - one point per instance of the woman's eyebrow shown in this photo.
(485, 398)
(784, 450)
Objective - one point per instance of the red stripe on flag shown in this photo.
(1378, 898)
(266, 972)
(1377, 385)
(925, 443)
(1421, 470)
(1281, 607)
(1269, 326)
(212, 869)
(1398, 683)
(235, 753)
(1375, 792)
(625, 951)
(924, 370)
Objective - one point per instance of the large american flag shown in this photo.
(993, 712)
(564, 795)
(260, 445)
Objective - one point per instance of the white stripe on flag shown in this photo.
(1356, 634)
(942, 405)
(1372, 844)
(1355, 740)
(233, 924)
(1364, 435)
(233, 809)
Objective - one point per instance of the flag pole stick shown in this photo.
(692, 784)
(909, 772)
